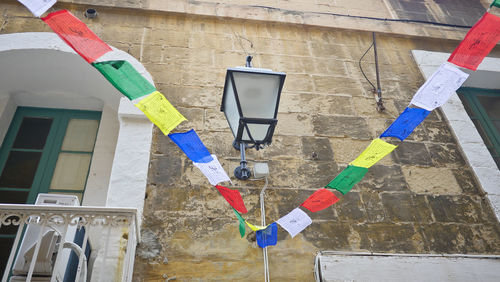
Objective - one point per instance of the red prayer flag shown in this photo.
(233, 197)
(321, 199)
(77, 35)
(478, 42)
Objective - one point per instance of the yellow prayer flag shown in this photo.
(159, 110)
(377, 150)
(255, 227)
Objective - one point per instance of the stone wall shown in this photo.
(420, 199)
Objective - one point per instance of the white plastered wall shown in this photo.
(475, 151)
(120, 163)
(83, 88)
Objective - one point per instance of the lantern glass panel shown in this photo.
(257, 94)
(231, 108)
(258, 132)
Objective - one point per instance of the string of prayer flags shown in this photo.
(241, 222)
(160, 112)
(191, 145)
(478, 42)
(213, 171)
(125, 78)
(77, 35)
(319, 200)
(376, 151)
(38, 7)
(404, 125)
(268, 236)
(439, 87)
(255, 227)
(495, 3)
(233, 197)
(349, 177)
(295, 221)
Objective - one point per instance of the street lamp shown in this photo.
(250, 104)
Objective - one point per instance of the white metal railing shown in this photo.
(110, 225)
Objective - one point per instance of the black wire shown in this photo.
(362, 17)
(361, 68)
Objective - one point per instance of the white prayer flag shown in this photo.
(439, 87)
(213, 171)
(295, 221)
(38, 7)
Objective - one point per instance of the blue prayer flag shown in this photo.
(268, 236)
(404, 125)
(191, 145)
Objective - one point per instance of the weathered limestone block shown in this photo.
(329, 235)
(446, 155)
(341, 126)
(410, 153)
(337, 85)
(165, 170)
(438, 132)
(375, 211)
(322, 104)
(431, 180)
(335, 51)
(383, 178)
(316, 148)
(298, 83)
(386, 237)
(300, 173)
(294, 124)
(405, 207)
(467, 181)
(456, 209)
(192, 96)
(282, 147)
(350, 208)
(346, 149)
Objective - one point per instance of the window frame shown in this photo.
(470, 96)
(51, 150)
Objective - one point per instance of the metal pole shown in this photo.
(263, 221)
(243, 162)
(242, 172)
(378, 97)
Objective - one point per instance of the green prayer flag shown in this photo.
(495, 3)
(242, 223)
(125, 78)
(347, 178)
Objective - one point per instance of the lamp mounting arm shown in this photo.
(242, 172)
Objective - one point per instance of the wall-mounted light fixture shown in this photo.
(250, 104)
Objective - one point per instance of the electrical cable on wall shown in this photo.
(366, 18)
(377, 91)
(361, 68)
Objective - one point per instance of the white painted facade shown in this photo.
(40, 70)
(477, 155)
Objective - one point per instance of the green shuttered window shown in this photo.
(483, 107)
(44, 151)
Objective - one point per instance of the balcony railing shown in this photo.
(48, 231)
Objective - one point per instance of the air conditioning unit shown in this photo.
(49, 245)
